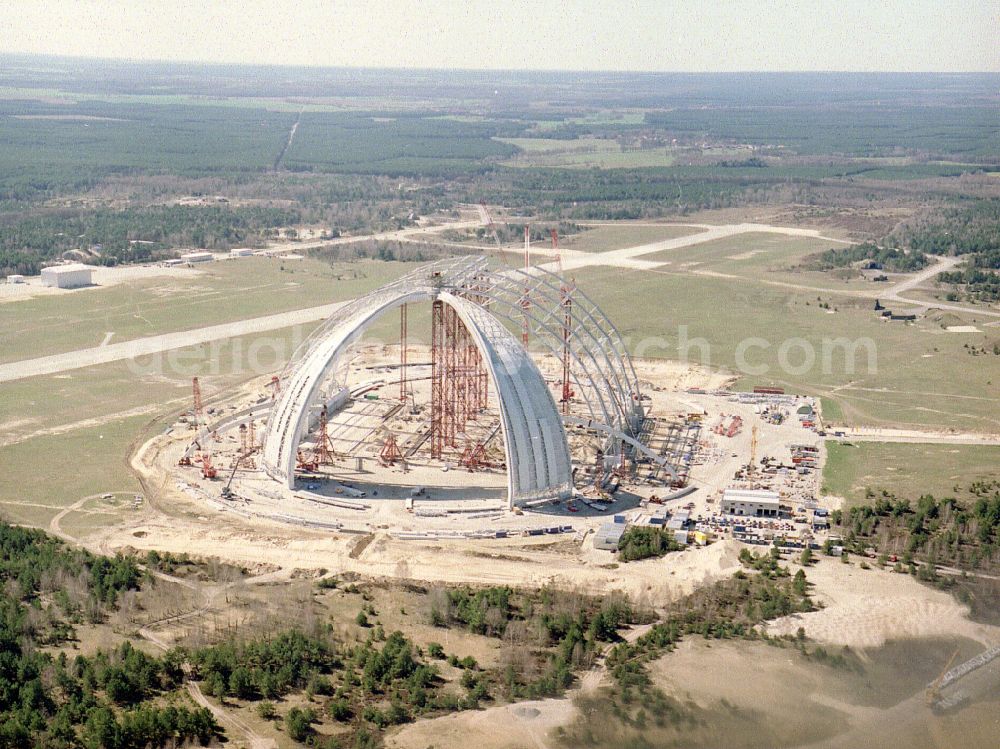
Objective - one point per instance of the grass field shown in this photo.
(922, 376)
(906, 469)
(43, 475)
(583, 153)
(830, 410)
(75, 429)
(764, 255)
(223, 292)
(607, 238)
(148, 385)
(753, 249)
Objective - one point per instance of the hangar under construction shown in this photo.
(481, 403)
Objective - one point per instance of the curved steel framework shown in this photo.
(490, 303)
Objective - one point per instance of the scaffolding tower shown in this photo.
(459, 381)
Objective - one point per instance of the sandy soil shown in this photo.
(866, 608)
(523, 725)
(806, 704)
(198, 529)
(879, 434)
(710, 674)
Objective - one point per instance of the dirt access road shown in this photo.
(940, 265)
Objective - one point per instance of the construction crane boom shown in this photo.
(566, 290)
(934, 690)
(484, 215)
(526, 300)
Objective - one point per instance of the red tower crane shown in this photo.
(275, 385)
(305, 463)
(247, 448)
(208, 470)
(390, 451)
(566, 290)
(474, 456)
(197, 411)
(323, 453)
(526, 299)
(484, 215)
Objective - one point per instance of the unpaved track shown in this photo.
(412, 233)
(255, 740)
(54, 525)
(877, 434)
(209, 595)
(288, 142)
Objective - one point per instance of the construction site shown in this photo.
(469, 424)
(523, 415)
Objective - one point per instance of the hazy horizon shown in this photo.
(412, 69)
(575, 36)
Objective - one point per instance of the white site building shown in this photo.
(71, 276)
(755, 503)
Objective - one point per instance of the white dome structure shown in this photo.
(488, 303)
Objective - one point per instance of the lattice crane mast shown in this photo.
(566, 290)
(933, 693)
(491, 227)
(197, 410)
(526, 299)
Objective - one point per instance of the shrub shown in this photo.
(643, 542)
(298, 723)
(266, 710)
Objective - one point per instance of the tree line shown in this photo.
(131, 234)
(118, 699)
(886, 258)
(929, 531)
(643, 542)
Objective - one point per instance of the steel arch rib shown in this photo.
(535, 442)
(611, 336)
(609, 376)
(598, 344)
(534, 435)
(515, 311)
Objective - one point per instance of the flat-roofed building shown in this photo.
(757, 503)
(71, 276)
(608, 536)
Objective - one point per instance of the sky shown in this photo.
(639, 35)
